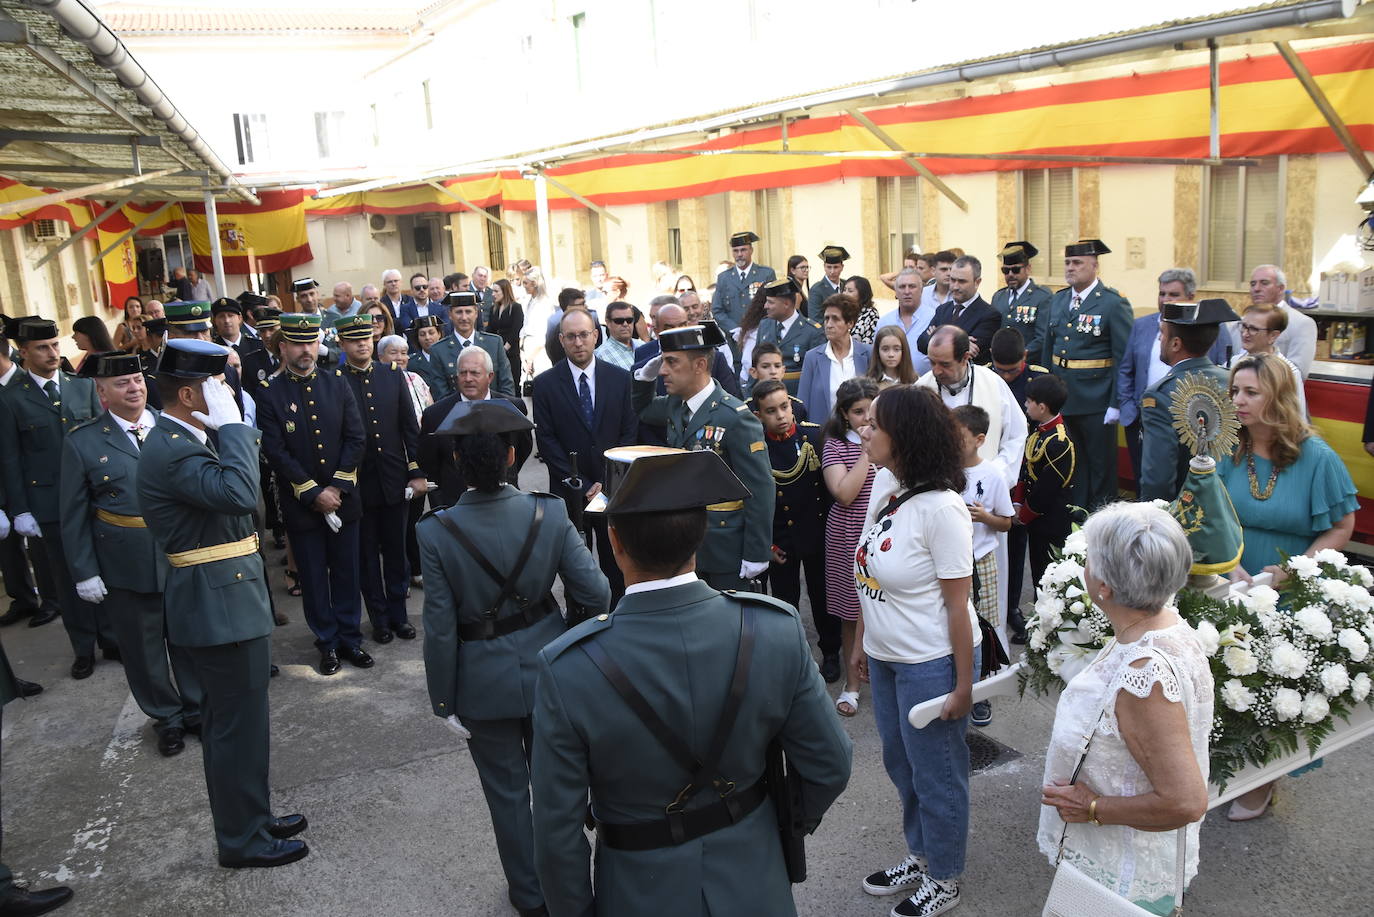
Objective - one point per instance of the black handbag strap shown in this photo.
(506, 582)
(701, 771)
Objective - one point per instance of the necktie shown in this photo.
(136, 431)
(958, 311)
(584, 395)
(50, 388)
(1077, 301)
(1012, 300)
(686, 415)
(743, 275)
(467, 343)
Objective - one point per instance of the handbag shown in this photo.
(1075, 894)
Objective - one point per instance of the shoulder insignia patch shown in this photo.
(1148, 401)
(757, 447)
(741, 409)
(264, 383)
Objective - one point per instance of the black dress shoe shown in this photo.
(358, 656)
(280, 618)
(44, 616)
(830, 667)
(275, 671)
(329, 663)
(17, 613)
(540, 911)
(171, 741)
(279, 854)
(20, 902)
(28, 688)
(405, 631)
(381, 635)
(83, 667)
(287, 826)
(111, 653)
(192, 728)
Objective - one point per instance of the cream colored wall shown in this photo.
(974, 230)
(629, 250)
(829, 214)
(1137, 224)
(1333, 231)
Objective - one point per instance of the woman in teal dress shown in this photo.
(1292, 493)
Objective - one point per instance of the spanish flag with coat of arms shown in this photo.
(253, 239)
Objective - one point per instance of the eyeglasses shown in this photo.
(1247, 328)
(578, 335)
(419, 287)
(623, 320)
(1012, 270)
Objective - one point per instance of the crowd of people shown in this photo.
(906, 464)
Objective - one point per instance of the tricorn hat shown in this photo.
(188, 358)
(705, 336)
(743, 238)
(1086, 247)
(658, 483)
(834, 254)
(1019, 252)
(496, 415)
(1205, 312)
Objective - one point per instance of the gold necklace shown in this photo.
(1120, 637)
(1254, 481)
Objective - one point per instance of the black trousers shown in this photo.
(1133, 449)
(235, 741)
(1017, 539)
(139, 624)
(385, 572)
(1045, 536)
(87, 625)
(784, 581)
(595, 525)
(14, 567)
(414, 510)
(328, 566)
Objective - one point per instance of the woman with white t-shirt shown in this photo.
(916, 637)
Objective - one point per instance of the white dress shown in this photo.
(1138, 865)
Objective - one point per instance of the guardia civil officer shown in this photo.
(489, 563)
(1187, 332)
(389, 477)
(832, 258)
(736, 286)
(41, 406)
(462, 313)
(700, 415)
(111, 553)
(1085, 342)
(313, 439)
(198, 503)
(664, 711)
(793, 332)
(1022, 303)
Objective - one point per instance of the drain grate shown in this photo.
(985, 752)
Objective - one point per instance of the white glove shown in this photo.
(4, 525)
(750, 570)
(1112, 416)
(91, 590)
(333, 521)
(649, 371)
(410, 493)
(26, 525)
(452, 722)
(220, 405)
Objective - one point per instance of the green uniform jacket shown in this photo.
(1030, 315)
(801, 337)
(446, 351)
(724, 425)
(1097, 331)
(431, 369)
(100, 471)
(494, 679)
(1163, 458)
(38, 427)
(677, 646)
(192, 498)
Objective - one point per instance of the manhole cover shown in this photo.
(985, 753)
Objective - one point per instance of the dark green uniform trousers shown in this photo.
(86, 624)
(6, 877)
(235, 742)
(501, 751)
(139, 626)
(1094, 443)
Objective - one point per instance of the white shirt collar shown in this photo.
(471, 340)
(462, 397)
(590, 370)
(9, 374)
(147, 420)
(681, 579)
(198, 433)
(1083, 297)
(787, 323)
(40, 381)
(830, 353)
(697, 400)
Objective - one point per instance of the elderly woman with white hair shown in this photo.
(393, 349)
(1145, 704)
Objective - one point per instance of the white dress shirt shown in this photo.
(696, 401)
(40, 381)
(840, 369)
(681, 579)
(147, 420)
(590, 373)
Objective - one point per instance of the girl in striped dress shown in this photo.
(849, 476)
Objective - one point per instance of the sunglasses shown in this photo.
(419, 287)
(1013, 270)
(623, 320)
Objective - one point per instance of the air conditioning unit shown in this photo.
(380, 223)
(49, 231)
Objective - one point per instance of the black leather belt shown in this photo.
(491, 628)
(680, 827)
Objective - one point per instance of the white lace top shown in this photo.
(1138, 865)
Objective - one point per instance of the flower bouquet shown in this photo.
(1287, 663)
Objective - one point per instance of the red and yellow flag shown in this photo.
(262, 239)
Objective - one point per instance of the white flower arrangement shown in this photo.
(1286, 662)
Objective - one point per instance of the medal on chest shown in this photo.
(796, 353)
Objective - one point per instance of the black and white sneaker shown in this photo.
(935, 896)
(982, 713)
(904, 877)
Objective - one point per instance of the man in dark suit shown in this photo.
(672, 316)
(966, 309)
(423, 304)
(474, 377)
(394, 298)
(582, 405)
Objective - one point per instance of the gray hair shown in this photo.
(971, 263)
(1183, 275)
(1140, 551)
(663, 299)
(908, 271)
(390, 272)
(1279, 275)
(391, 340)
(474, 351)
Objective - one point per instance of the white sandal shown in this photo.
(847, 697)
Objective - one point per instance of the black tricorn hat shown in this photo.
(677, 481)
(460, 298)
(1019, 252)
(33, 328)
(250, 300)
(783, 286)
(705, 336)
(496, 415)
(225, 304)
(834, 254)
(428, 321)
(1086, 247)
(111, 364)
(305, 283)
(743, 238)
(157, 326)
(1205, 312)
(189, 358)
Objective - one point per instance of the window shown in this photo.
(1049, 209)
(1242, 221)
(425, 101)
(768, 224)
(250, 138)
(496, 241)
(674, 255)
(899, 218)
(329, 133)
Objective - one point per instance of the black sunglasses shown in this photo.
(1013, 270)
(420, 286)
(623, 320)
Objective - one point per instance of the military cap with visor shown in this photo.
(188, 358)
(300, 327)
(188, 316)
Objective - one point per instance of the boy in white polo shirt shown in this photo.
(989, 505)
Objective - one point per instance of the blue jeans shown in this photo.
(930, 766)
